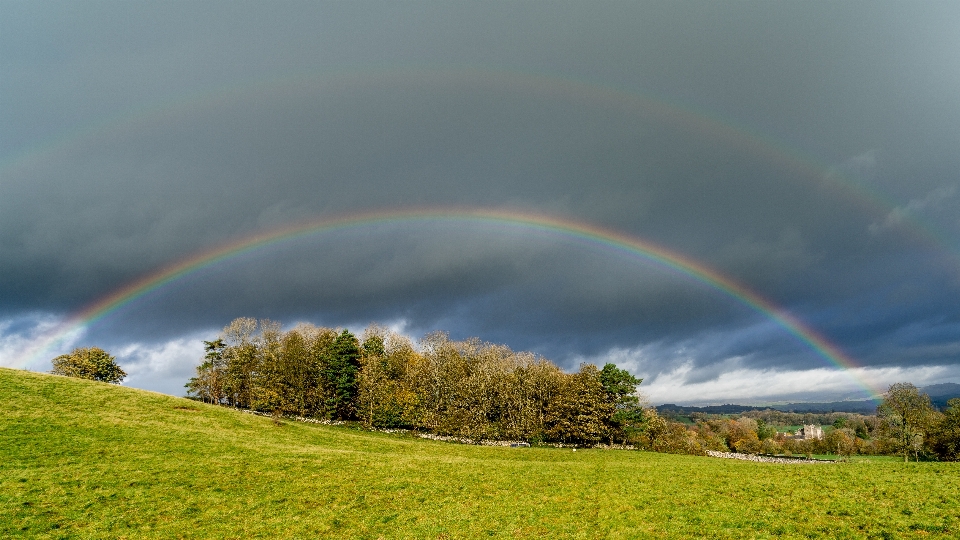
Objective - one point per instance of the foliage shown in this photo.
(620, 388)
(945, 433)
(581, 412)
(82, 460)
(386, 384)
(906, 416)
(340, 366)
(482, 391)
(842, 442)
(662, 435)
(764, 431)
(91, 363)
(463, 388)
(208, 383)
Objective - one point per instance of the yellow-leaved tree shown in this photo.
(89, 363)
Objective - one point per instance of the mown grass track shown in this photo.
(80, 459)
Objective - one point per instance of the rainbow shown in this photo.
(565, 227)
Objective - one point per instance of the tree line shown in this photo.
(469, 388)
(906, 424)
(482, 391)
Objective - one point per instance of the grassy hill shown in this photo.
(91, 460)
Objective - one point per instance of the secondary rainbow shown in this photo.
(524, 220)
(524, 83)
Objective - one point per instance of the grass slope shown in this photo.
(91, 460)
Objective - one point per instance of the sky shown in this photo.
(736, 201)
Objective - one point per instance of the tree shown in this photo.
(385, 398)
(906, 414)
(208, 384)
(764, 431)
(340, 376)
(89, 363)
(842, 441)
(945, 436)
(620, 388)
(662, 435)
(580, 411)
(242, 357)
(286, 381)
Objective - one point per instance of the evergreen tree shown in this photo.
(207, 385)
(620, 388)
(340, 375)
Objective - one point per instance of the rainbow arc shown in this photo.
(531, 222)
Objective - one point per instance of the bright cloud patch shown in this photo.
(733, 380)
(24, 340)
(163, 367)
(759, 386)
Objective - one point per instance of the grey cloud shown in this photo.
(697, 126)
(913, 207)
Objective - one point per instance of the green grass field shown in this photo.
(80, 459)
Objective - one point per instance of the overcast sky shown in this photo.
(805, 150)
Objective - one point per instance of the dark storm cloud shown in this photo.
(178, 128)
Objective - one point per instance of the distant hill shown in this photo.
(862, 407)
(942, 390)
(866, 406)
(939, 394)
(708, 409)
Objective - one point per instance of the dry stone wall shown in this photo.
(762, 459)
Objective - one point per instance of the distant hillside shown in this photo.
(948, 390)
(939, 395)
(708, 409)
(867, 406)
(861, 407)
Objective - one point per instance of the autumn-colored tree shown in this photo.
(466, 388)
(386, 391)
(442, 371)
(525, 395)
(742, 436)
(771, 446)
(242, 359)
(89, 363)
(906, 415)
(661, 435)
(287, 381)
(842, 442)
(581, 411)
(709, 436)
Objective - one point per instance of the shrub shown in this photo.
(89, 363)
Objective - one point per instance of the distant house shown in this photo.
(809, 432)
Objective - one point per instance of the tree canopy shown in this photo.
(906, 414)
(89, 363)
(465, 388)
(476, 390)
